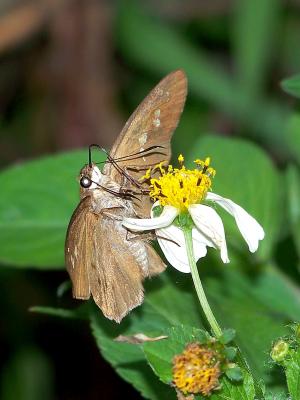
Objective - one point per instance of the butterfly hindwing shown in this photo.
(116, 276)
(79, 248)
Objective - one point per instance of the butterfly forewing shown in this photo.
(151, 124)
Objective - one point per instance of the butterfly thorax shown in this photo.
(101, 200)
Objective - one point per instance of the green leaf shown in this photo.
(292, 85)
(293, 209)
(37, 201)
(239, 301)
(171, 295)
(227, 336)
(230, 353)
(127, 359)
(236, 391)
(293, 194)
(257, 306)
(81, 312)
(292, 371)
(161, 353)
(63, 288)
(247, 176)
(254, 30)
(276, 396)
(254, 24)
(292, 136)
(277, 292)
(234, 374)
(236, 302)
(135, 28)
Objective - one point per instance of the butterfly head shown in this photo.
(90, 177)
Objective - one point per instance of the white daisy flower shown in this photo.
(178, 193)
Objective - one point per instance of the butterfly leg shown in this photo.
(127, 178)
(148, 237)
(109, 212)
(131, 236)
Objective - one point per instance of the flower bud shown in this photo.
(279, 350)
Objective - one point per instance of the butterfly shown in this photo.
(103, 261)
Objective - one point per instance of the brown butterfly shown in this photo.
(101, 258)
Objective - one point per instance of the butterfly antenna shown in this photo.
(132, 156)
(118, 168)
(121, 170)
(139, 153)
(114, 161)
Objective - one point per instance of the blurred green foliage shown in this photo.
(292, 85)
(28, 376)
(33, 226)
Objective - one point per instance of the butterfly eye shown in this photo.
(85, 182)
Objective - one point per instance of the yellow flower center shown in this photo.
(180, 187)
(196, 370)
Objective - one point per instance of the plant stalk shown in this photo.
(198, 285)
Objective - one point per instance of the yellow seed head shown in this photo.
(196, 370)
(181, 187)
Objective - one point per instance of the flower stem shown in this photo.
(198, 285)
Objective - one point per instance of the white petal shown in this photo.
(172, 243)
(251, 230)
(210, 226)
(200, 238)
(166, 218)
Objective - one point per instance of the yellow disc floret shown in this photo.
(196, 370)
(180, 187)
